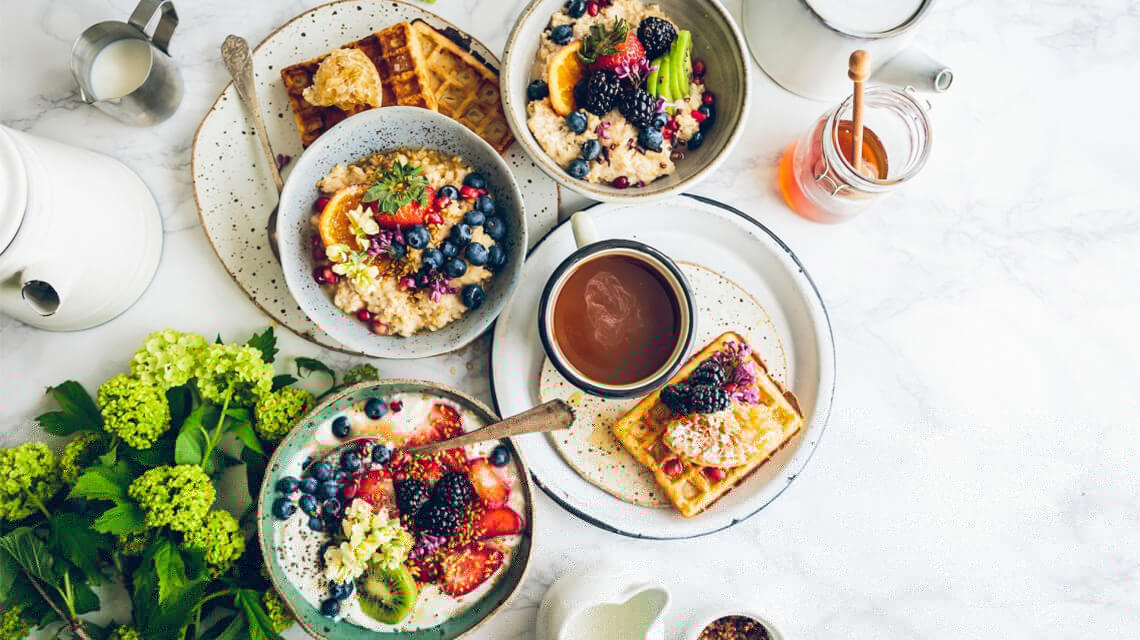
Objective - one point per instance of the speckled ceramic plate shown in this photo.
(298, 445)
(232, 186)
(589, 445)
(730, 243)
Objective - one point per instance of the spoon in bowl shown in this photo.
(239, 62)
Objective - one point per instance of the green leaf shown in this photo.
(266, 343)
(255, 465)
(8, 572)
(228, 628)
(75, 401)
(167, 587)
(305, 366)
(282, 381)
(22, 593)
(159, 453)
(244, 432)
(31, 554)
(104, 483)
(260, 626)
(180, 400)
(190, 445)
(73, 538)
(84, 599)
(59, 423)
(123, 518)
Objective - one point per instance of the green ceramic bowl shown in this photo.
(292, 447)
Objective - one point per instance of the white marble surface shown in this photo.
(979, 476)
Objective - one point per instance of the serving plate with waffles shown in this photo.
(731, 429)
(420, 60)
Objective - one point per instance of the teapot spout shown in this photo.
(914, 68)
(44, 288)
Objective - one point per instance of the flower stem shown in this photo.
(39, 503)
(217, 435)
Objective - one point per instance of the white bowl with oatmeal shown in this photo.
(401, 233)
(626, 99)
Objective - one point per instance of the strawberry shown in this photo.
(612, 47)
(376, 488)
(470, 567)
(408, 215)
(442, 422)
(498, 522)
(490, 487)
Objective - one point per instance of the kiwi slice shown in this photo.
(651, 82)
(682, 64)
(659, 84)
(387, 596)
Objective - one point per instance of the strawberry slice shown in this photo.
(498, 522)
(613, 46)
(443, 422)
(376, 488)
(490, 487)
(470, 567)
(408, 215)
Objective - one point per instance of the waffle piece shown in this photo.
(404, 69)
(771, 425)
(463, 87)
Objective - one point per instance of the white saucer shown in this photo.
(720, 238)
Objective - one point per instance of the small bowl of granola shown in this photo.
(402, 233)
(731, 624)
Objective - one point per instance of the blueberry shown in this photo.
(537, 90)
(283, 508)
(475, 180)
(381, 454)
(696, 140)
(333, 523)
(322, 471)
(331, 507)
(375, 408)
(454, 268)
(562, 34)
(288, 484)
(659, 121)
(449, 249)
(417, 237)
(341, 426)
(576, 8)
(432, 258)
(650, 139)
(475, 217)
(460, 234)
(500, 456)
(710, 116)
(328, 490)
(495, 228)
(448, 191)
(341, 590)
(398, 251)
(591, 149)
(330, 607)
(578, 169)
(350, 461)
(342, 478)
(308, 505)
(485, 204)
(473, 296)
(476, 254)
(577, 122)
(496, 257)
(309, 486)
(316, 524)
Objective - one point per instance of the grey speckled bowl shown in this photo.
(716, 40)
(375, 131)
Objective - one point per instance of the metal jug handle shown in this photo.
(145, 12)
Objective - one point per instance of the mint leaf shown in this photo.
(123, 518)
(104, 483)
(283, 380)
(266, 343)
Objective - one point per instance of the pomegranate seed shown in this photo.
(672, 467)
(592, 8)
(319, 253)
(319, 275)
(620, 182)
(373, 206)
(363, 315)
(468, 193)
(320, 204)
(396, 405)
(699, 80)
(433, 218)
(443, 202)
(708, 98)
(698, 116)
(698, 68)
(667, 134)
(714, 474)
(349, 492)
(408, 283)
(329, 275)
(316, 240)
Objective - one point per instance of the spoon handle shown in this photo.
(549, 416)
(239, 62)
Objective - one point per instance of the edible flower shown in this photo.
(167, 358)
(354, 265)
(603, 126)
(362, 225)
(371, 537)
(740, 372)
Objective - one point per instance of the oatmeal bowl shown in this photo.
(402, 233)
(626, 99)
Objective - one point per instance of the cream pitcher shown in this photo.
(80, 234)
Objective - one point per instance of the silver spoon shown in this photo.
(239, 62)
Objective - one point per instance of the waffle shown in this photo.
(403, 67)
(775, 421)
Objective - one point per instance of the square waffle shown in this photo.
(773, 423)
(403, 68)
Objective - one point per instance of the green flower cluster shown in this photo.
(135, 411)
(360, 374)
(79, 454)
(221, 537)
(279, 616)
(168, 358)
(29, 477)
(134, 544)
(237, 367)
(12, 624)
(277, 412)
(178, 496)
(125, 632)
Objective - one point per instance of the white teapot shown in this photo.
(80, 234)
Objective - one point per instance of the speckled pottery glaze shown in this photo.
(233, 189)
(292, 447)
(716, 40)
(376, 131)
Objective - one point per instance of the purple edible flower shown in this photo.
(601, 130)
(409, 283)
(426, 545)
(437, 284)
(283, 160)
(659, 107)
(739, 372)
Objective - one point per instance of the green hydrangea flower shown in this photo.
(360, 374)
(79, 454)
(135, 411)
(278, 615)
(134, 544)
(168, 358)
(175, 496)
(240, 367)
(221, 537)
(125, 632)
(277, 412)
(12, 624)
(29, 477)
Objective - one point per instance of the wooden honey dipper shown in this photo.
(857, 71)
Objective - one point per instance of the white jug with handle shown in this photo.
(80, 234)
(604, 602)
(804, 45)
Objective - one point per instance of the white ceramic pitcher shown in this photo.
(80, 234)
(604, 603)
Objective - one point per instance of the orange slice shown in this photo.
(334, 225)
(566, 70)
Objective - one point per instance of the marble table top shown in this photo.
(979, 475)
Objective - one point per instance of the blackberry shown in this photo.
(656, 36)
(411, 496)
(438, 519)
(639, 107)
(704, 398)
(708, 372)
(601, 91)
(453, 490)
(676, 397)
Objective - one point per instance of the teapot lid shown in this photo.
(13, 189)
